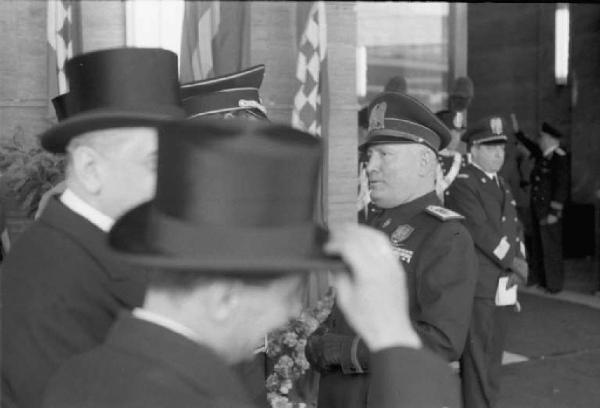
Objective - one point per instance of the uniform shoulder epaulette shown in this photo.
(560, 152)
(443, 213)
(462, 175)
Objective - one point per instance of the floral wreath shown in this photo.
(285, 346)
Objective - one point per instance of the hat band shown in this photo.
(381, 136)
(222, 101)
(489, 139)
(176, 237)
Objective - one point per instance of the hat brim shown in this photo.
(502, 139)
(128, 240)
(57, 138)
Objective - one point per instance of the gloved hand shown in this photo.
(324, 351)
(520, 268)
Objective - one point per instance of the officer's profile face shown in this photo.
(398, 173)
(490, 157)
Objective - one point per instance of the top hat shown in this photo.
(122, 87)
(546, 128)
(239, 198)
(490, 130)
(227, 93)
(398, 118)
(64, 106)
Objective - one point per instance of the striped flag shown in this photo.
(310, 104)
(64, 41)
(215, 39)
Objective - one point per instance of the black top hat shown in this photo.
(546, 128)
(398, 118)
(490, 130)
(120, 87)
(239, 198)
(227, 93)
(64, 106)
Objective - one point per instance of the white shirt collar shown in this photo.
(549, 150)
(490, 175)
(79, 206)
(163, 321)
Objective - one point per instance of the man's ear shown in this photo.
(427, 162)
(86, 168)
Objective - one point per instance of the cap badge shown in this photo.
(248, 103)
(400, 234)
(377, 117)
(459, 120)
(496, 126)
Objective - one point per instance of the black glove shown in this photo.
(324, 351)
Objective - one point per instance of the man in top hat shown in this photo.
(229, 266)
(489, 208)
(429, 241)
(61, 289)
(550, 185)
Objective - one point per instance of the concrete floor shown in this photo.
(554, 359)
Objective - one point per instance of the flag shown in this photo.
(215, 39)
(310, 105)
(64, 41)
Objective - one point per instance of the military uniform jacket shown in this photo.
(439, 258)
(61, 292)
(550, 180)
(491, 218)
(143, 365)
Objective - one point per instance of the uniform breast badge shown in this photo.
(399, 235)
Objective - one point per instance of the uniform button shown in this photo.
(516, 219)
(503, 218)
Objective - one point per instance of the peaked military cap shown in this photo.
(490, 130)
(398, 118)
(120, 87)
(546, 128)
(226, 93)
(255, 216)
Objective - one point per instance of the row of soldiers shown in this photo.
(182, 238)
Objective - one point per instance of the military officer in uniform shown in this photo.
(430, 241)
(491, 218)
(550, 184)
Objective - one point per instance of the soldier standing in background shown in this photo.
(550, 185)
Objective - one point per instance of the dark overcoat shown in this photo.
(148, 366)
(61, 292)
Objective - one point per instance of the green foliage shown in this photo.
(28, 170)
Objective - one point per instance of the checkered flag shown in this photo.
(64, 41)
(311, 69)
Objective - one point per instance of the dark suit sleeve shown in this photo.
(446, 278)
(403, 377)
(463, 198)
(561, 180)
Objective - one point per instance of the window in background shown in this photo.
(410, 39)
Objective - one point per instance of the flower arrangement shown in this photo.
(285, 347)
(28, 170)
